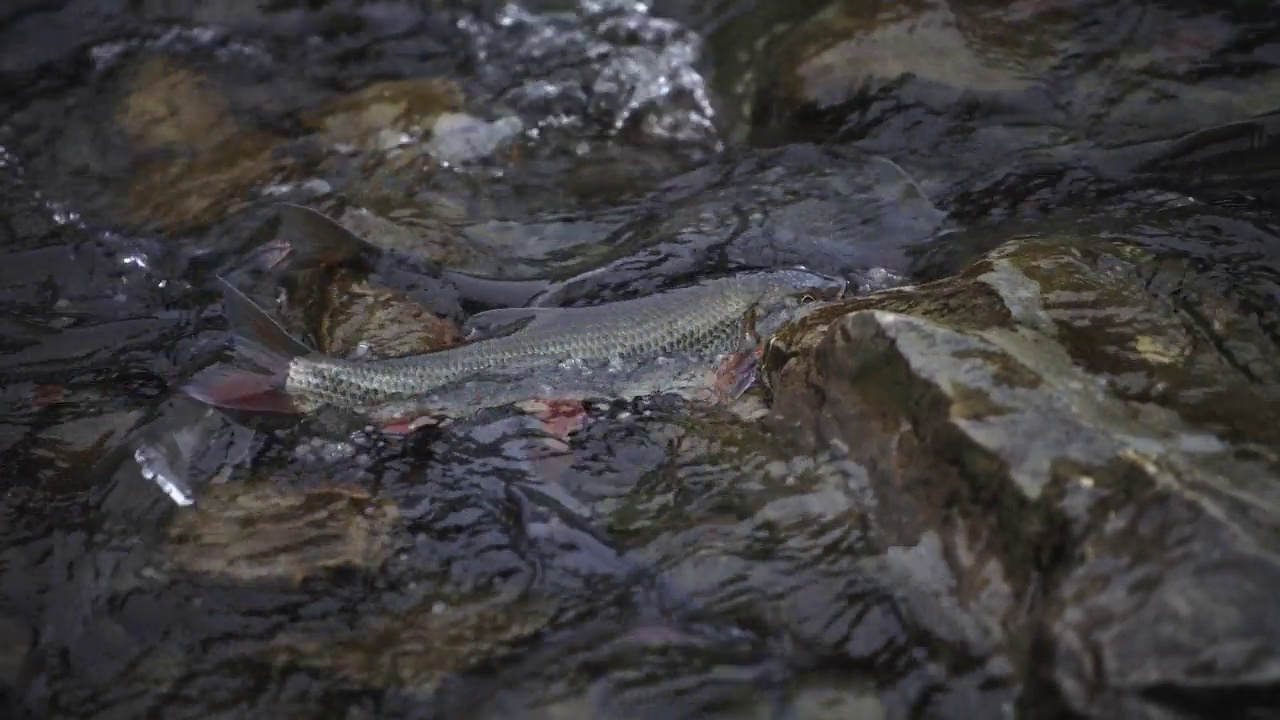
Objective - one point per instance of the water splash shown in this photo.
(609, 65)
(179, 40)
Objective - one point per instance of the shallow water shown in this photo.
(669, 560)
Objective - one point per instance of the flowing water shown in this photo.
(667, 560)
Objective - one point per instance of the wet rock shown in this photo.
(387, 114)
(372, 323)
(195, 160)
(254, 532)
(413, 650)
(833, 210)
(433, 227)
(955, 90)
(1096, 470)
(1004, 58)
(458, 137)
(884, 75)
(744, 521)
(879, 46)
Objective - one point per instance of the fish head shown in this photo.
(791, 293)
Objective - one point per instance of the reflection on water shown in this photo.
(667, 560)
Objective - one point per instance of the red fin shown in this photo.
(235, 389)
(560, 418)
(408, 424)
(737, 373)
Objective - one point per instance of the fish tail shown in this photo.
(234, 388)
(261, 341)
(311, 240)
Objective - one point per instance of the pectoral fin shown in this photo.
(505, 321)
(736, 374)
(560, 417)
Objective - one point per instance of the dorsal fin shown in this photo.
(315, 240)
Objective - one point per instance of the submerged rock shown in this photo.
(1096, 459)
(1082, 93)
(371, 322)
(416, 648)
(195, 162)
(387, 114)
(256, 532)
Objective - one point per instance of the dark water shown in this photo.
(668, 561)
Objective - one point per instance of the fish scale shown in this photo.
(709, 319)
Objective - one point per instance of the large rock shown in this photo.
(1096, 454)
(955, 90)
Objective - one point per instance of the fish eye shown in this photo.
(806, 298)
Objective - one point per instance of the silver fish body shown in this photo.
(691, 376)
(709, 319)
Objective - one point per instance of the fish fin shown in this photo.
(274, 253)
(492, 291)
(560, 417)
(257, 336)
(315, 240)
(736, 374)
(412, 423)
(505, 321)
(234, 388)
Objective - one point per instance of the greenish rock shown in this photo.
(417, 647)
(909, 80)
(364, 321)
(1095, 457)
(257, 532)
(386, 115)
(194, 161)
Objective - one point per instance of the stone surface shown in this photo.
(1099, 469)
(252, 532)
(194, 160)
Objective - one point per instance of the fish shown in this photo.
(707, 320)
(691, 376)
